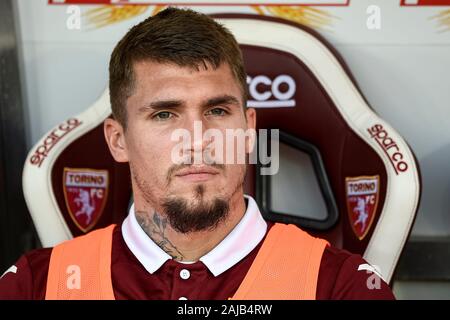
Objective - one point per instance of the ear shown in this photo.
(250, 114)
(115, 138)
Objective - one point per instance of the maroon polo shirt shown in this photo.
(339, 277)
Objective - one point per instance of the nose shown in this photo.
(199, 143)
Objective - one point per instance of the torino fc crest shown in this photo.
(362, 200)
(85, 191)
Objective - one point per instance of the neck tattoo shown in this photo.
(155, 228)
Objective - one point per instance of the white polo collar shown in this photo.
(237, 244)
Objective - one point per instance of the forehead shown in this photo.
(158, 78)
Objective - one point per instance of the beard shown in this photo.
(199, 215)
(189, 215)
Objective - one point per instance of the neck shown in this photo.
(191, 246)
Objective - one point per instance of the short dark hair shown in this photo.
(180, 36)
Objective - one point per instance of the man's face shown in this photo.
(168, 98)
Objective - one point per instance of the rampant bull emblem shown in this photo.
(362, 200)
(85, 191)
(361, 210)
(84, 201)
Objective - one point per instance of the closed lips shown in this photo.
(201, 170)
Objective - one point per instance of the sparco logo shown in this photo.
(389, 147)
(52, 139)
(268, 93)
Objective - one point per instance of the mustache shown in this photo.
(177, 167)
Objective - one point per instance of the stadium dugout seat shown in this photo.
(344, 173)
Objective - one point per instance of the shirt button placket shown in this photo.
(182, 287)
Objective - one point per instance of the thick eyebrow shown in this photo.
(176, 104)
(221, 100)
(161, 104)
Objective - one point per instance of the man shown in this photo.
(191, 233)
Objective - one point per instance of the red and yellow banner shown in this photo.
(210, 2)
